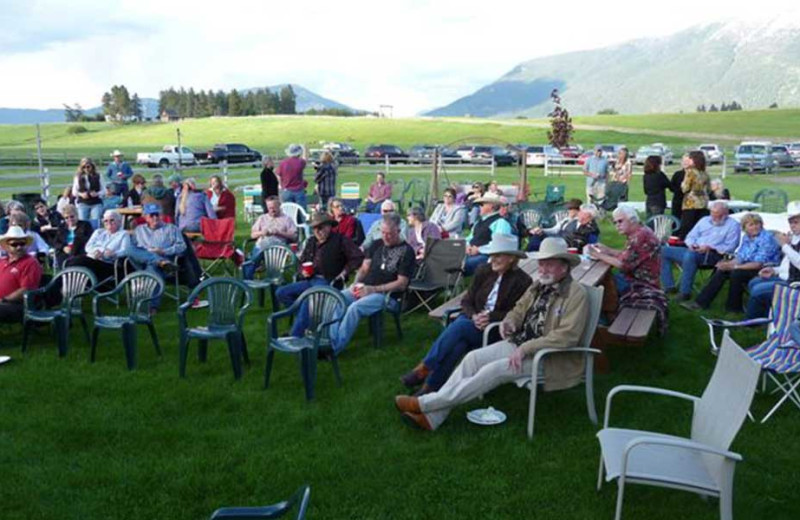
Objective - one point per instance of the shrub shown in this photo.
(77, 129)
(607, 112)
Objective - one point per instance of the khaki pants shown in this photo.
(479, 372)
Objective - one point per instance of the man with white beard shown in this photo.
(551, 314)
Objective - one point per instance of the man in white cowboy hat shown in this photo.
(762, 286)
(489, 222)
(552, 313)
(118, 173)
(19, 272)
(290, 173)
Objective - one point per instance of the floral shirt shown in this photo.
(641, 259)
(695, 186)
(762, 248)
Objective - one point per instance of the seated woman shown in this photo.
(477, 192)
(106, 247)
(495, 289)
(11, 207)
(46, 221)
(718, 191)
(639, 266)
(135, 194)
(193, 206)
(448, 215)
(419, 231)
(494, 188)
(221, 198)
(71, 236)
(346, 224)
(758, 249)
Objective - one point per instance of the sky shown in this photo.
(412, 54)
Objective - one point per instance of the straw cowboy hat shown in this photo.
(117, 153)
(294, 150)
(320, 219)
(793, 209)
(555, 247)
(15, 232)
(502, 244)
(494, 198)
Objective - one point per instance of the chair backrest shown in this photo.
(295, 212)
(227, 298)
(555, 193)
(531, 218)
(595, 297)
(772, 200)
(75, 280)
(663, 226)
(558, 216)
(217, 238)
(278, 261)
(726, 400)
(324, 304)
(140, 286)
(350, 190)
(443, 258)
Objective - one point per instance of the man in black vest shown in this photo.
(489, 222)
(787, 272)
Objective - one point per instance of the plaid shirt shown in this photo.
(326, 180)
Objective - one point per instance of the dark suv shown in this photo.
(233, 153)
(378, 153)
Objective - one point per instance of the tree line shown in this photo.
(730, 107)
(191, 103)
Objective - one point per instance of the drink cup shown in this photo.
(357, 289)
(308, 269)
(293, 247)
(573, 250)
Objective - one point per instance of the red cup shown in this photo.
(293, 247)
(308, 269)
(573, 250)
(357, 289)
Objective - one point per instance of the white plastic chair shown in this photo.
(595, 300)
(295, 211)
(702, 463)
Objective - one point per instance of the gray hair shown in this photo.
(626, 211)
(14, 205)
(590, 208)
(110, 213)
(718, 204)
(391, 219)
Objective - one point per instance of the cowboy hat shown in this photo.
(555, 247)
(502, 244)
(117, 153)
(493, 198)
(15, 232)
(793, 209)
(294, 150)
(321, 219)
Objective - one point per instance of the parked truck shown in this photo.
(168, 156)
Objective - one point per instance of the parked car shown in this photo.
(343, 153)
(571, 153)
(379, 152)
(610, 151)
(503, 157)
(168, 156)
(781, 156)
(714, 153)
(423, 153)
(654, 149)
(536, 155)
(794, 149)
(753, 156)
(233, 153)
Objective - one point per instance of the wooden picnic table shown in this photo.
(588, 272)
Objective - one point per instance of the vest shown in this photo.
(94, 185)
(333, 259)
(481, 233)
(794, 273)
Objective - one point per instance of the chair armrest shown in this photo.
(646, 390)
(448, 313)
(489, 328)
(323, 326)
(674, 443)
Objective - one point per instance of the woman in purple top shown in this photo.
(193, 206)
(290, 173)
(420, 229)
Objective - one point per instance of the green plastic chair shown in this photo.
(376, 321)
(75, 283)
(138, 290)
(278, 262)
(772, 200)
(326, 306)
(301, 496)
(228, 301)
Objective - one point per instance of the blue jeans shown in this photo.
(459, 338)
(144, 259)
(92, 213)
(471, 263)
(761, 295)
(287, 294)
(342, 332)
(256, 257)
(689, 260)
(622, 283)
(296, 196)
(373, 207)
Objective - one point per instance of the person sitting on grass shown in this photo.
(489, 223)
(379, 192)
(496, 288)
(551, 314)
(273, 228)
(19, 272)
(758, 249)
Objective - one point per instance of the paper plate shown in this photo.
(486, 416)
(4, 359)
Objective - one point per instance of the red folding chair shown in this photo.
(216, 244)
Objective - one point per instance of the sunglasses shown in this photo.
(17, 244)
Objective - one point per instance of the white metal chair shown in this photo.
(702, 463)
(595, 300)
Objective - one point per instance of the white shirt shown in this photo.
(790, 256)
(491, 301)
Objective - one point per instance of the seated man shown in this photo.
(552, 313)
(762, 286)
(578, 231)
(707, 243)
(38, 246)
(156, 244)
(273, 228)
(489, 222)
(374, 234)
(387, 268)
(496, 288)
(333, 256)
(19, 272)
(379, 192)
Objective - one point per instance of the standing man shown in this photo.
(118, 173)
(19, 272)
(290, 173)
(551, 314)
(596, 172)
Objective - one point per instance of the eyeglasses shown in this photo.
(386, 211)
(70, 217)
(618, 222)
(17, 244)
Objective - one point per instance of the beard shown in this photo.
(547, 279)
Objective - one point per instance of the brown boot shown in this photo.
(417, 420)
(424, 389)
(416, 377)
(407, 403)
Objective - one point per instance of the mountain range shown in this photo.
(304, 100)
(754, 63)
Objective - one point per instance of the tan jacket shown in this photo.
(563, 326)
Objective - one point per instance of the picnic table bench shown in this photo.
(633, 325)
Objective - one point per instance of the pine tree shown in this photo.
(287, 100)
(234, 103)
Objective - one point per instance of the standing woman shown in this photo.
(695, 187)
(193, 206)
(677, 193)
(325, 179)
(221, 198)
(86, 188)
(621, 172)
(269, 181)
(656, 185)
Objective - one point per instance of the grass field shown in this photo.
(90, 441)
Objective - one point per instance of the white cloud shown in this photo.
(412, 54)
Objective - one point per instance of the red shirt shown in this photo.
(24, 273)
(227, 201)
(347, 226)
(290, 172)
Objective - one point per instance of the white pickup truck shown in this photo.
(168, 156)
